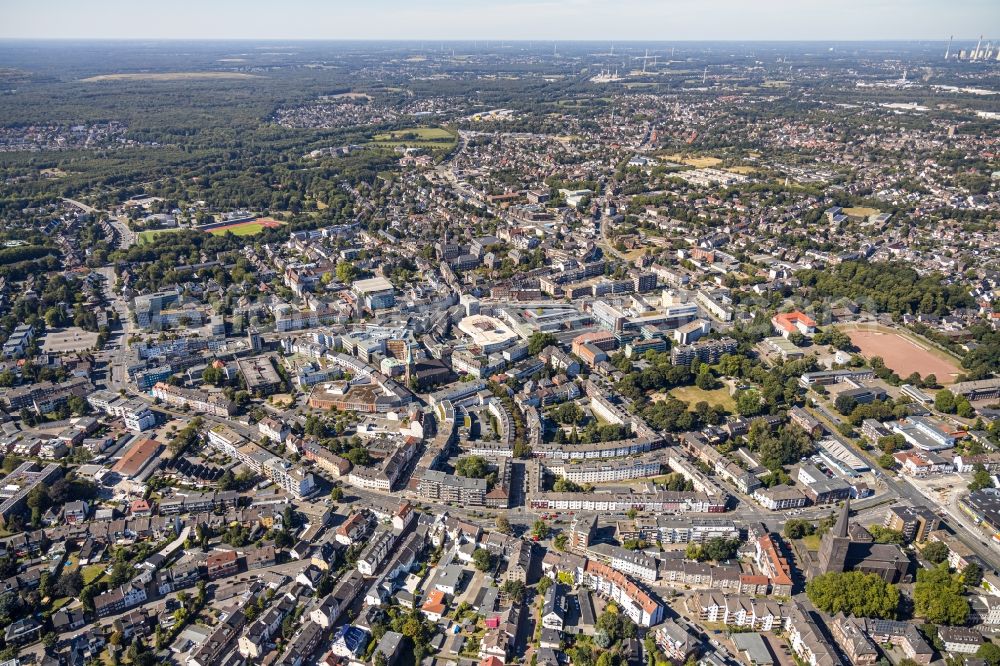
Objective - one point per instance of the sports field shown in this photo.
(903, 353)
(150, 235)
(248, 228)
(861, 212)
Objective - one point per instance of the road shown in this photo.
(964, 531)
(116, 350)
(606, 242)
(126, 237)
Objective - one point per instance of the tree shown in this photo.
(560, 541)
(358, 456)
(854, 593)
(346, 272)
(544, 584)
(886, 535)
(473, 467)
(892, 443)
(886, 461)
(935, 552)
(617, 625)
(964, 408)
(540, 529)
(69, 584)
(719, 548)
(748, 403)
(564, 485)
(337, 494)
(972, 574)
(845, 404)
(482, 559)
(214, 376)
(513, 589)
(938, 596)
(706, 380)
(78, 405)
(990, 653)
(980, 478)
(503, 525)
(539, 341)
(53, 318)
(944, 401)
(796, 528)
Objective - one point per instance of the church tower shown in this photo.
(835, 544)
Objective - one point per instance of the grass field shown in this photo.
(151, 234)
(743, 170)
(861, 212)
(416, 134)
(811, 542)
(693, 395)
(435, 139)
(903, 353)
(92, 572)
(169, 76)
(697, 162)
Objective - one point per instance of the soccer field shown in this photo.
(903, 354)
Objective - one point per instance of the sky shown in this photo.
(652, 20)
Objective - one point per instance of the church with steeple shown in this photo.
(850, 547)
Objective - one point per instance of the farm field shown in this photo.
(169, 76)
(902, 353)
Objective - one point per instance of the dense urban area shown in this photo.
(500, 353)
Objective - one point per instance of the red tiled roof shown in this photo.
(631, 590)
(136, 457)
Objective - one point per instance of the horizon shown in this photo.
(502, 20)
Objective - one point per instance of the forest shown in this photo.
(892, 287)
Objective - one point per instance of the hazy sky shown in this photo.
(500, 19)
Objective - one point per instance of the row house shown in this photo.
(639, 605)
(738, 611)
(701, 574)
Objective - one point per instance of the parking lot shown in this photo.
(71, 339)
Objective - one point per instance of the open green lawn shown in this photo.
(150, 235)
(811, 542)
(59, 603)
(92, 572)
(693, 395)
(432, 138)
(417, 134)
